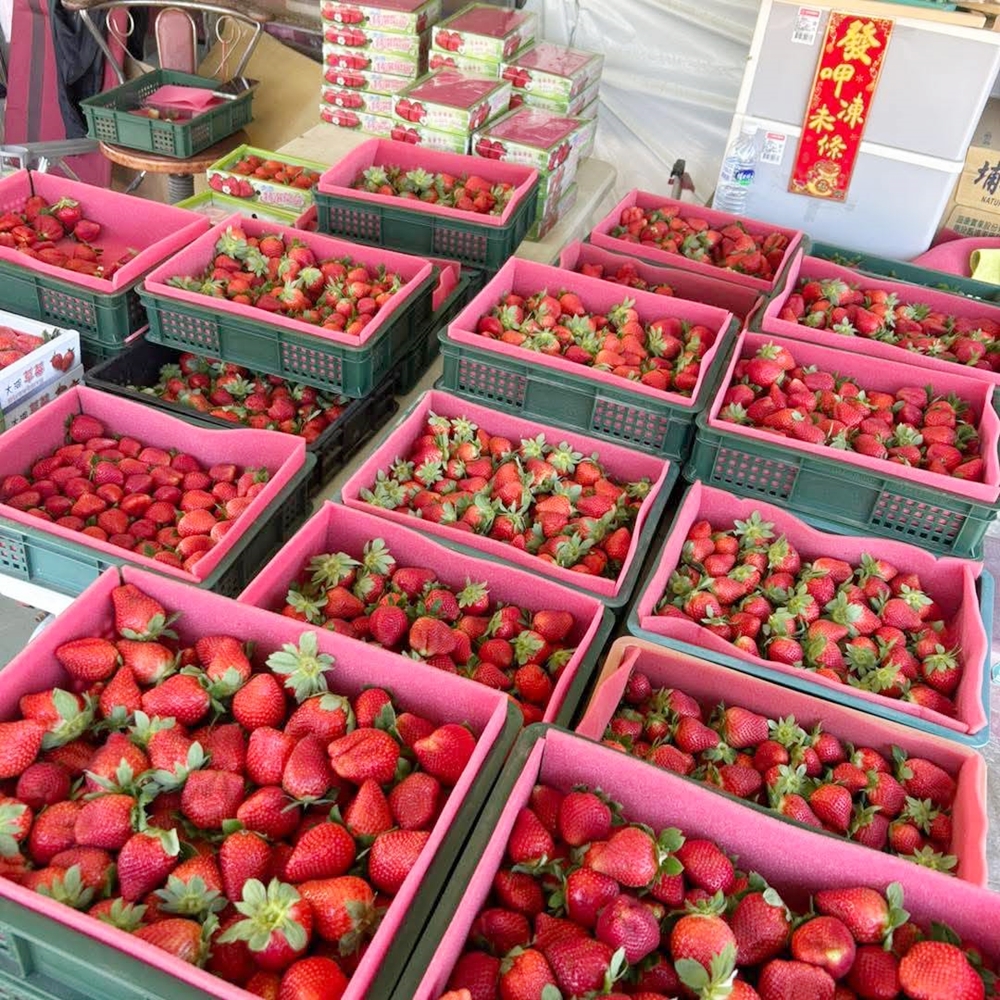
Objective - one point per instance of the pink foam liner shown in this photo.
(439, 696)
(341, 529)
(449, 275)
(709, 684)
(954, 256)
(822, 270)
(736, 299)
(890, 376)
(193, 259)
(525, 277)
(156, 232)
(803, 864)
(44, 431)
(621, 463)
(601, 237)
(387, 152)
(952, 584)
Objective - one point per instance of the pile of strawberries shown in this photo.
(228, 807)
(552, 502)
(59, 235)
(732, 247)
(275, 171)
(872, 313)
(664, 354)
(164, 505)
(587, 904)
(286, 277)
(467, 192)
(228, 392)
(889, 803)
(870, 625)
(408, 610)
(624, 275)
(912, 426)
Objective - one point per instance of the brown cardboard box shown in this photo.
(973, 221)
(979, 185)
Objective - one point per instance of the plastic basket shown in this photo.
(416, 227)
(858, 494)
(275, 344)
(109, 117)
(140, 366)
(552, 389)
(620, 462)
(965, 589)
(82, 954)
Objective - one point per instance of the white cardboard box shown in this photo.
(23, 378)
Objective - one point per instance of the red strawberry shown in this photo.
(761, 926)
(393, 856)
(315, 978)
(138, 616)
(699, 937)
(182, 938)
(936, 970)
(826, 943)
(343, 910)
(869, 917)
(525, 974)
(325, 851)
(145, 861)
(780, 980)
(211, 797)
(88, 659)
(445, 753)
(277, 924)
(307, 775)
(243, 855)
(20, 743)
(363, 754)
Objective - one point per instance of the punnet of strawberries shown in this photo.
(235, 394)
(277, 171)
(162, 504)
(887, 801)
(549, 500)
(732, 247)
(466, 192)
(587, 903)
(625, 274)
(16, 345)
(854, 310)
(408, 610)
(282, 275)
(59, 234)
(868, 625)
(913, 426)
(664, 354)
(225, 804)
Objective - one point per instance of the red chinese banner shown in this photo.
(842, 92)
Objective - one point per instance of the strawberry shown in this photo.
(325, 851)
(138, 616)
(182, 938)
(343, 910)
(307, 775)
(259, 703)
(781, 980)
(705, 865)
(869, 917)
(393, 856)
(316, 978)
(243, 855)
(210, 797)
(276, 926)
(875, 973)
(20, 743)
(936, 969)
(145, 861)
(583, 818)
(761, 925)
(824, 942)
(629, 925)
(445, 753)
(525, 974)
(88, 659)
(364, 754)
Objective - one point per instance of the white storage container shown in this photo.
(935, 80)
(893, 207)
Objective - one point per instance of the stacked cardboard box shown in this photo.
(372, 51)
(555, 78)
(481, 37)
(976, 211)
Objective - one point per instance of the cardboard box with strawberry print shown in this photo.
(267, 178)
(449, 101)
(32, 355)
(583, 105)
(483, 31)
(40, 396)
(370, 60)
(418, 135)
(534, 138)
(365, 81)
(358, 100)
(359, 121)
(354, 39)
(464, 64)
(216, 207)
(553, 71)
(407, 17)
(554, 210)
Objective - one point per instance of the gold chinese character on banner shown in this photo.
(821, 120)
(831, 146)
(852, 112)
(857, 40)
(840, 75)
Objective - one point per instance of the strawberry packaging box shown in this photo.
(495, 521)
(929, 679)
(380, 126)
(464, 64)
(364, 81)
(217, 207)
(553, 72)
(483, 31)
(260, 770)
(824, 303)
(359, 100)
(40, 395)
(392, 63)
(584, 105)
(449, 101)
(741, 725)
(902, 931)
(372, 43)
(266, 178)
(428, 138)
(332, 572)
(533, 137)
(407, 17)
(32, 354)
(556, 209)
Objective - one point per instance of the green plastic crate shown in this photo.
(301, 357)
(855, 500)
(901, 270)
(109, 117)
(39, 557)
(578, 402)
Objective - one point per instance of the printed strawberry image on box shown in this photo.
(482, 31)
(342, 78)
(535, 138)
(409, 46)
(360, 121)
(358, 100)
(449, 101)
(430, 138)
(553, 71)
(464, 64)
(345, 57)
(402, 16)
(32, 355)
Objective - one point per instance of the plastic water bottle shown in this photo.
(737, 173)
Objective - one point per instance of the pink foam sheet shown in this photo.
(711, 684)
(804, 863)
(620, 463)
(951, 582)
(440, 697)
(708, 290)
(44, 431)
(823, 270)
(336, 528)
(338, 180)
(954, 256)
(525, 277)
(156, 232)
(601, 237)
(889, 376)
(193, 259)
